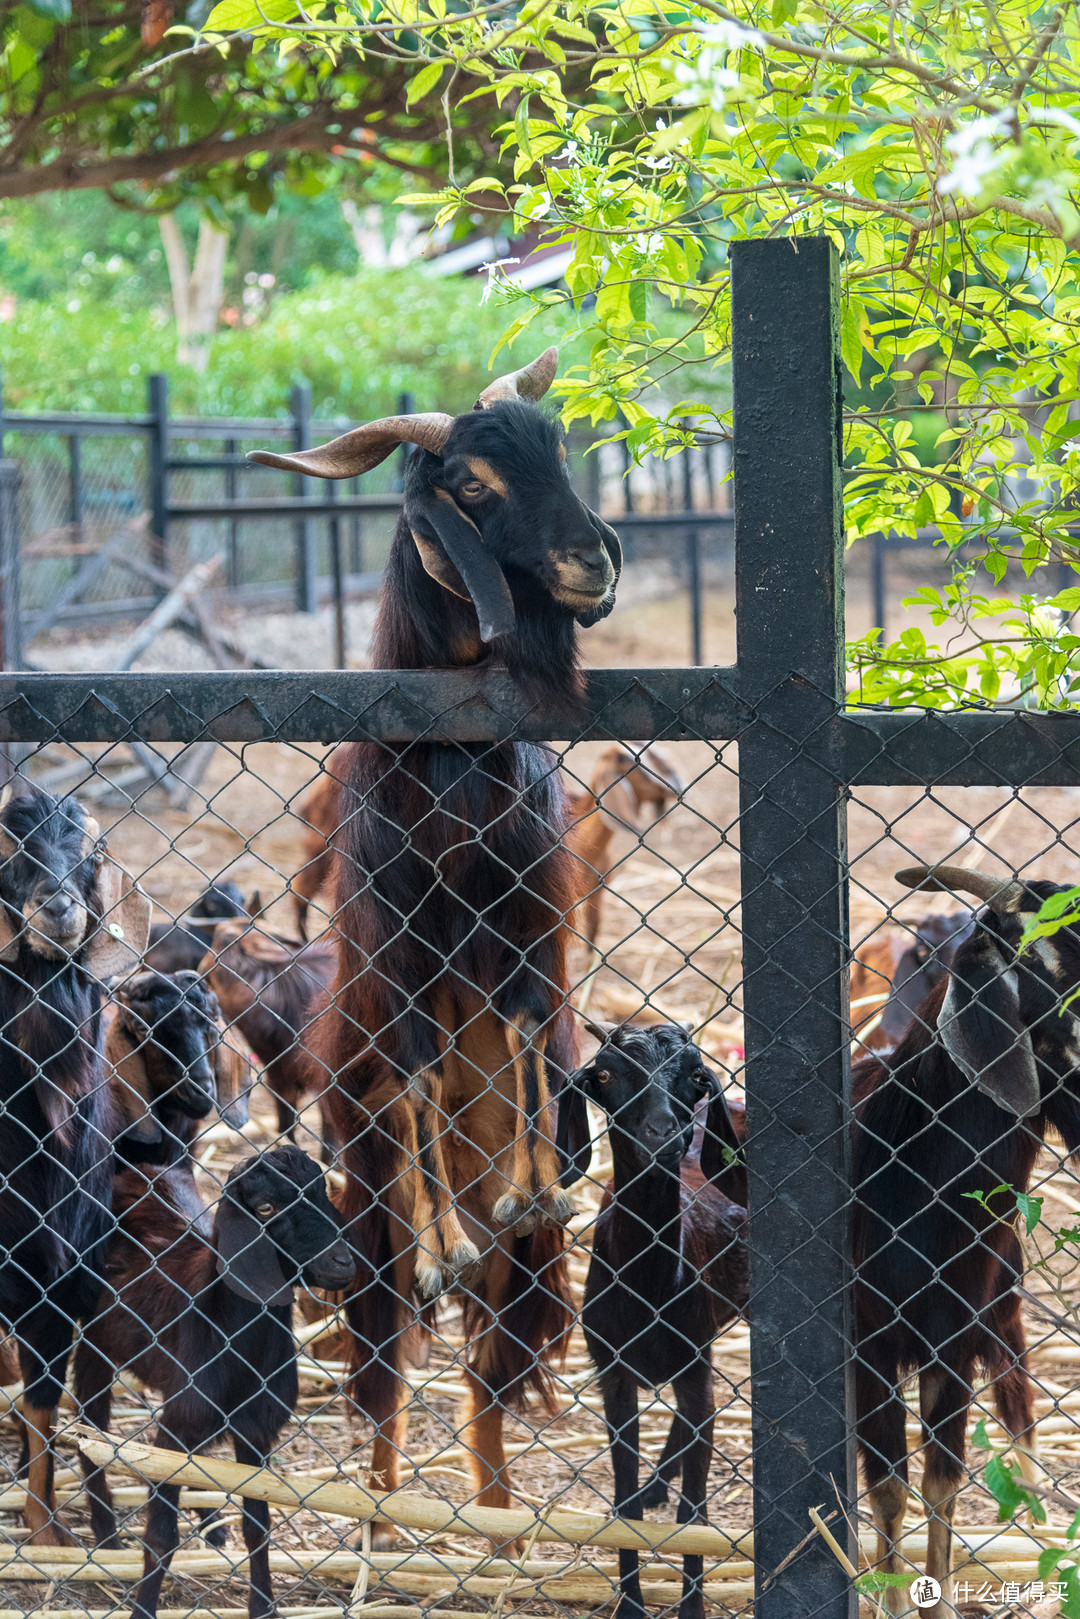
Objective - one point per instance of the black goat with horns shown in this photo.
(440, 1034)
(960, 1110)
(69, 917)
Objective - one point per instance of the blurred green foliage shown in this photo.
(360, 340)
(80, 245)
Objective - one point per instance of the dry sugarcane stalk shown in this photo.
(400, 1507)
(582, 1586)
(207, 1613)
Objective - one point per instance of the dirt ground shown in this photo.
(671, 941)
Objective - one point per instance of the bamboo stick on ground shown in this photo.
(401, 1507)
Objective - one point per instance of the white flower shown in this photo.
(731, 35)
(974, 153)
(704, 81)
(493, 268)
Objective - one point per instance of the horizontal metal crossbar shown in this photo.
(858, 748)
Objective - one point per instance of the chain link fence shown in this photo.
(303, 1188)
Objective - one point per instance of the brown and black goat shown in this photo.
(627, 777)
(669, 1264)
(451, 892)
(268, 987)
(894, 972)
(170, 1064)
(202, 1314)
(322, 809)
(69, 918)
(180, 946)
(959, 1111)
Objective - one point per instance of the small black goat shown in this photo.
(180, 946)
(669, 1265)
(988, 1066)
(69, 917)
(205, 1320)
(171, 1064)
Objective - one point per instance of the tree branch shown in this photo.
(304, 134)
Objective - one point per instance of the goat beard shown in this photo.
(541, 657)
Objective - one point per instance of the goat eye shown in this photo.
(603, 1075)
(473, 491)
(264, 1210)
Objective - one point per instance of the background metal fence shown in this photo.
(731, 913)
(109, 503)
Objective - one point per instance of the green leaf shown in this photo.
(424, 82)
(521, 127)
(854, 334)
(1030, 1209)
(639, 300)
(232, 16)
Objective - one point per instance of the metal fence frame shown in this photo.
(799, 754)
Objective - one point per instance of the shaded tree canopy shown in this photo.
(85, 102)
(937, 141)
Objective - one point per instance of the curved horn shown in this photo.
(364, 447)
(531, 382)
(996, 892)
(599, 1031)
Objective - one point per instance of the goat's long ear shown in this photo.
(233, 1074)
(441, 528)
(247, 1261)
(613, 546)
(130, 1088)
(980, 1028)
(118, 943)
(9, 848)
(573, 1142)
(363, 448)
(721, 1152)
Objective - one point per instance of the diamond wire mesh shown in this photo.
(252, 820)
(670, 949)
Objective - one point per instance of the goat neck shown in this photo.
(644, 1221)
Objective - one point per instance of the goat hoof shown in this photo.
(457, 1271)
(654, 1494)
(516, 1212)
(556, 1207)
(216, 1535)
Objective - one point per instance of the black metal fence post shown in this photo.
(789, 605)
(406, 407)
(306, 577)
(11, 648)
(158, 469)
(693, 560)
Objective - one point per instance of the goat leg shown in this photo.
(944, 1400)
(93, 1392)
(445, 1255)
(621, 1416)
(654, 1492)
(256, 1527)
(535, 1196)
(883, 1445)
(694, 1398)
(482, 1436)
(44, 1367)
